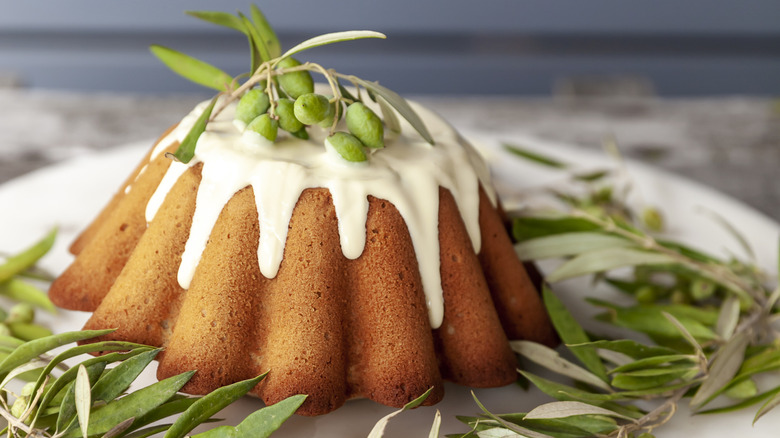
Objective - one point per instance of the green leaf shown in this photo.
(209, 405)
(551, 360)
(401, 105)
(266, 32)
(330, 38)
(379, 428)
(522, 431)
(220, 18)
(569, 244)
(742, 404)
(525, 228)
(686, 334)
(119, 378)
(195, 70)
(606, 260)
(653, 362)
(32, 349)
(434, 433)
(83, 399)
(261, 423)
(563, 409)
(186, 149)
(628, 347)
(768, 406)
(256, 40)
(652, 322)
(175, 405)
(642, 382)
(19, 290)
(723, 368)
(135, 404)
(571, 332)
(388, 115)
(535, 157)
(25, 259)
(69, 405)
(728, 317)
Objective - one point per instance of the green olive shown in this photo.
(19, 406)
(364, 124)
(21, 312)
(348, 146)
(265, 126)
(296, 83)
(301, 133)
(336, 110)
(251, 105)
(285, 110)
(312, 108)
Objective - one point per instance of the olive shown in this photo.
(364, 124)
(348, 146)
(21, 312)
(296, 83)
(301, 133)
(251, 105)
(313, 108)
(265, 126)
(286, 112)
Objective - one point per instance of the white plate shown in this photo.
(69, 194)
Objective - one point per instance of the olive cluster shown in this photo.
(299, 106)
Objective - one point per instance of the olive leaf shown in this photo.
(401, 105)
(535, 156)
(568, 244)
(69, 403)
(551, 360)
(728, 317)
(653, 362)
(220, 18)
(750, 401)
(83, 396)
(562, 409)
(378, 430)
(520, 430)
(766, 407)
(261, 423)
(628, 347)
(388, 115)
(19, 290)
(730, 228)
(32, 349)
(119, 378)
(434, 433)
(27, 258)
(256, 41)
(723, 368)
(266, 32)
(195, 70)
(330, 38)
(605, 260)
(571, 332)
(186, 149)
(209, 405)
(684, 331)
(525, 228)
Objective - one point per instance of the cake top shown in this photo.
(255, 135)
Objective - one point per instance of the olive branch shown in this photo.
(280, 79)
(709, 320)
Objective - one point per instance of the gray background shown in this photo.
(534, 47)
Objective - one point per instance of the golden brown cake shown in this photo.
(377, 280)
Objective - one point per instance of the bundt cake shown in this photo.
(343, 281)
(374, 267)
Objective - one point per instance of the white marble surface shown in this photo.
(731, 144)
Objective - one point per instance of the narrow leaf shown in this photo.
(256, 40)
(220, 18)
(551, 360)
(119, 378)
(563, 409)
(434, 433)
(401, 105)
(525, 228)
(119, 428)
(261, 423)
(186, 149)
(83, 399)
(768, 406)
(605, 260)
(723, 368)
(195, 70)
(686, 334)
(535, 157)
(19, 290)
(25, 259)
(742, 404)
(209, 405)
(35, 348)
(68, 406)
(378, 430)
(266, 32)
(513, 427)
(728, 317)
(568, 244)
(33, 364)
(388, 115)
(330, 38)
(571, 332)
(628, 347)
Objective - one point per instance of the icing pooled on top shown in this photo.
(406, 173)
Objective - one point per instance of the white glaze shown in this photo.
(407, 173)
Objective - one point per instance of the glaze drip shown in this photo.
(407, 173)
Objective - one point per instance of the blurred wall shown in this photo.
(532, 47)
